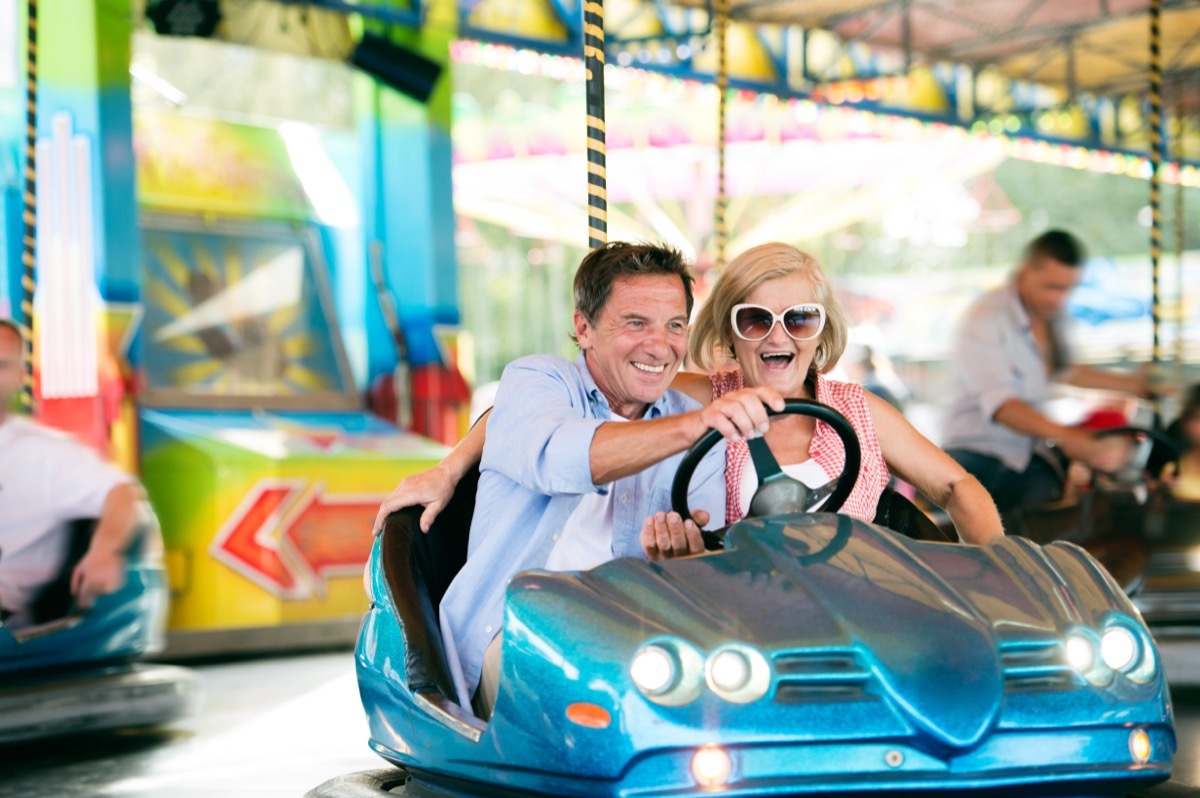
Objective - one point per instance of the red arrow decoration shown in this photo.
(289, 540)
(333, 534)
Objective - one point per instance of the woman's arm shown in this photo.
(435, 487)
(698, 386)
(913, 457)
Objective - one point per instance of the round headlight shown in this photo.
(1081, 654)
(729, 670)
(737, 673)
(653, 670)
(711, 766)
(1118, 648)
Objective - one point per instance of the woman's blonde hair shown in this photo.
(711, 332)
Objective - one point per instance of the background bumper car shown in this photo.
(75, 671)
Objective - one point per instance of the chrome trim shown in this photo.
(450, 714)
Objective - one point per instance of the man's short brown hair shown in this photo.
(604, 264)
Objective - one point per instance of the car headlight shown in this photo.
(729, 670)
(737, 673)
(1081, 653)
(653, 670)
(668, 671)
(1118, 648)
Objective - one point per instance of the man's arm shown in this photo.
(622, 449)
(1136, 383)
(1104, 454)
(102, 569)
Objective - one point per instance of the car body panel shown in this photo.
(894, 664)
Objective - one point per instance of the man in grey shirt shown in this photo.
(1008, 351)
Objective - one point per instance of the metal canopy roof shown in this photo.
(1098, 46)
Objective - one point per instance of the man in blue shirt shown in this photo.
(1009, 351)
(579, 454)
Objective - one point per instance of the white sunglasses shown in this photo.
(754, 322)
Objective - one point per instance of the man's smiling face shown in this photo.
(637, 342)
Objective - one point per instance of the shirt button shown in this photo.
(625, 499)
(488, 629)
(554, 537)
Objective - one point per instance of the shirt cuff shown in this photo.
(568, 458)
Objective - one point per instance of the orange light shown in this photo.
(591, 716)
(1139, 746)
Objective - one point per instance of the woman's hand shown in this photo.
(432, 488)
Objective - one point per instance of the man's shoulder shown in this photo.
(992, 310)
(549, 365)
(991, 301)
(541, 363)
(26, 431)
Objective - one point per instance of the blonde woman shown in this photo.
(773, 320)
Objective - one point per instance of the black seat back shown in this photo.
(895, 512)
(53, 600)
(1162, 453)
(418, 568)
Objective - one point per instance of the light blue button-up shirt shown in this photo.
(536, 467)
(996, 358)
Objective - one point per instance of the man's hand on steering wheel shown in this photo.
(777, 492)
(740, 414)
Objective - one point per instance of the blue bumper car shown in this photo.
(71, 671)
(813, 653)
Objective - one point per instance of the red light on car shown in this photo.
(588, 715)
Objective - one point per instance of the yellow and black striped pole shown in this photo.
(1180, 228)
(1156, 106)
(720, 231)
(29, 250)
(593, 62)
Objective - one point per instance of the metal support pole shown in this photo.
(1156, 106)
(1180, 230)
(720, 231)
(593, 60)
(29, 248)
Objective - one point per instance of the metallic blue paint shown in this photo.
(895, 664)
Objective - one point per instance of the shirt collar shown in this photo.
(598, 399)
(1016, 310)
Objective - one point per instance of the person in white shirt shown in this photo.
(47, 479)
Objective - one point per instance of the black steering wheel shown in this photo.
(1134, 472)
(777, 493)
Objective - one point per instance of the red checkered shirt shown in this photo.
(826, 448)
